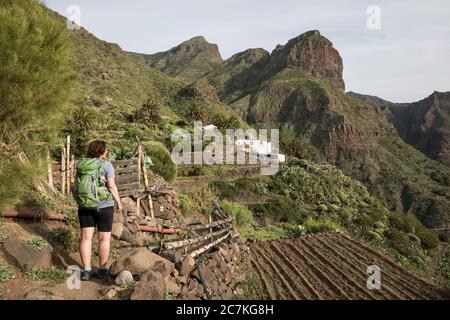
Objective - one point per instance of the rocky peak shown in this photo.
(190, 59)
(312, 53)
(249, 56)
(198, 45)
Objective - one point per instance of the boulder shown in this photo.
(129, 205)
(139, 261)
(124, 277)
(133, 239)
(151, 287)
(172, 286)
(187, 265)
(25, 256)
(117, 230)
(173, 256)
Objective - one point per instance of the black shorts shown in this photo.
(100, 218)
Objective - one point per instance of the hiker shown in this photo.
(95, 191)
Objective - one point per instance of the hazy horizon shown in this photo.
(403, 61)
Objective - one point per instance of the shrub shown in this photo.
(37, 244)
(320, 225)
(51, 275)
(242, 217)
(162, 161)
(66, 237)
(185, 203)
(6, 273)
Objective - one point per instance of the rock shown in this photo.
(119, 218)
(123, 278)
(110, 293)
(183, 279)
(151, 287)
(139, 261)
(226, 253)
(133, 227)
(25, 256)
(187, 265)
(236, 249)
(129, 205)
(173, 256)
(172, 286)
(133, 239)
(117, 230)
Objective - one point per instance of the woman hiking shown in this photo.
(95, 191)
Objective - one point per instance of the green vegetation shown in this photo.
(35, 77)
(38, 244)
(242, 217)
(66, 237)
(161, 159)
(310, 198)
(50, 276)
(6, 272)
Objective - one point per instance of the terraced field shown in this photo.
(332, 266)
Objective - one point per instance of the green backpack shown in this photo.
(88, 190)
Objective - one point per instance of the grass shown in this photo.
(2, 238)
(50, 276)
(242, 217)
(6, 272)
(251, 286)
(66, 237)
(38, 244)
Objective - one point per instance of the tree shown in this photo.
(149, 114)
(80, 122)
(35, 81)
(196, 111)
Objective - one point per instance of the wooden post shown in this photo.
(68, 166)
(63, 170)
(72, 170)
(210, 229)
(146, 185)
(49, 171)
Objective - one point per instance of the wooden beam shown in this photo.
(182, 243)
(63, 170)
(199, 251)
(68, 166)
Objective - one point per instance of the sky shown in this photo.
(397, 50)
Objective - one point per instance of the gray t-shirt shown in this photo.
(109, 173)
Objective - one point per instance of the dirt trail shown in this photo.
(332, 266)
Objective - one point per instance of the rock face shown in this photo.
(189, 60)
(312, 53)
(424, 124)
(25, 256)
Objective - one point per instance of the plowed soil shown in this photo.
(332, 266)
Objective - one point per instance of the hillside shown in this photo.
(300, 90)
(189, 60)
(423, 124)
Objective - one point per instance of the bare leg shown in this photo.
(104, 244)
(86, 246)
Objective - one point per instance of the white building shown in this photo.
(256, 146)
(209, 127)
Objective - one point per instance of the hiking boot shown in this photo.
(88, 275)
(102, 273)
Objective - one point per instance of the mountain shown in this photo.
(189, 60)
(299, 88)
(424, 124)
